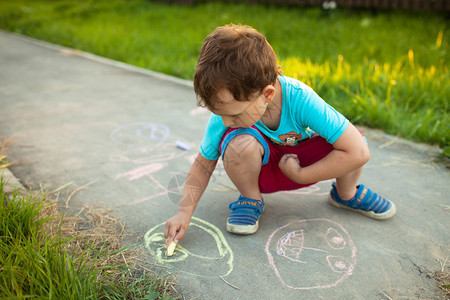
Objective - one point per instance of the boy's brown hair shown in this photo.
(235, 57)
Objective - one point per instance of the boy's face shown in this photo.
(239, 114)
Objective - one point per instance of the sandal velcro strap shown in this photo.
(366, 202)
(243, 202)
(244, 217)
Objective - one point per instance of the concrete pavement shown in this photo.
(114, 129)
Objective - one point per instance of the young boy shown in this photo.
(273, 133)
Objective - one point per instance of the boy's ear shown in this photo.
(269, 92)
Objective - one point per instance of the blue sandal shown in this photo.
(244, 217)
(365, 202)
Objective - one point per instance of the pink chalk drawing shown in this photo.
(153, 162)
(147, 167)
(148, 153)
(311, 254)
(139, 172)
(164, 191)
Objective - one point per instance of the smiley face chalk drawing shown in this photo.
(311, 254)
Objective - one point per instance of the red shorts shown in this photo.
(271, 179)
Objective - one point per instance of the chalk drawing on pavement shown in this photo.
(202, 259)
(139, 133)
(311, 190)
(311, 254)
(147, 155)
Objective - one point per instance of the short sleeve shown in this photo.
(319, 116)
(209, 147)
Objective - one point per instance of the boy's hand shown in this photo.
(176, 226)
(290, 166)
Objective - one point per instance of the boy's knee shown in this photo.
(242, 147)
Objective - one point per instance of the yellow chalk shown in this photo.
(171, 249)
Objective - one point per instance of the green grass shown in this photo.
(385, 70)
(36, 264)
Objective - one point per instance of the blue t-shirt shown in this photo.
(303, 113)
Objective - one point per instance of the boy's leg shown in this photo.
(244, 151)
(346, 193)
(346, 185)
(242, 161)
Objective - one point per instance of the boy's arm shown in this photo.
(196, 182)
(350, 153)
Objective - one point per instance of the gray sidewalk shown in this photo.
(113, 128)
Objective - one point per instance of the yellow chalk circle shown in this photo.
(215, 259)
(171, 249)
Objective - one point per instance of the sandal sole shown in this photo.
(243, 229)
